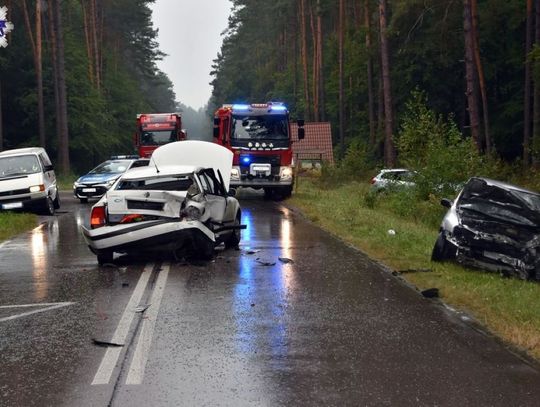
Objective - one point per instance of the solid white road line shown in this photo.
(108, 363)
(47, 307)
(138, 363)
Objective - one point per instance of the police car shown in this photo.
(100, 179)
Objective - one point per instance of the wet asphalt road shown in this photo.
(332, 328)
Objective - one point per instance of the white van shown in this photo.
(27, 181)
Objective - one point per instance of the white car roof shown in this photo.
(22, 151)
(197, 154)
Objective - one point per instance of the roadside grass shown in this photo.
(65, 182)
(509, 308)
(12, 224)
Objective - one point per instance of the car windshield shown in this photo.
(154, 138)
(111, 167)
(19, 165)
(165, 183)
(269, 127)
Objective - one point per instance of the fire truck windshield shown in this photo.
(269, 127)
(153, 138)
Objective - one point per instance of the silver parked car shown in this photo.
(393, 178)
(179, 202)
(494, 226)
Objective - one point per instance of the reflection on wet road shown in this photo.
(294, 317)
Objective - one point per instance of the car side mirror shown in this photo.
(48, 168)
(301, 133)
(447, 203)
(232, 192)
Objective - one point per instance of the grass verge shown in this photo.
(12, 224)
(509, 308)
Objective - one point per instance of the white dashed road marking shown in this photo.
(108, 363)
(138, 363)
(42, 308)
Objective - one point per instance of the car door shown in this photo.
(49, 177)
(216, 202)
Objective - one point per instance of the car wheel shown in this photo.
(56, 201)
(104, 256)
(233, 240)
(83, 200)
(48, 208)
(443, 250)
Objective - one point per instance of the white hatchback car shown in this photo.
(180, 202)
(28, 181)
(393, 178)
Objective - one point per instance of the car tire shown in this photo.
(48, 208)
(104, 257)
(56, 201)
(83, 200)
(233, 240)
(443, 249)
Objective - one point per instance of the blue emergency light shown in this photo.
(241, 107)
(246, 160)
(279, 108)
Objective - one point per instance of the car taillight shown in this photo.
(97, 217)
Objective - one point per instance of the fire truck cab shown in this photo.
(259, 135)
(156, 129)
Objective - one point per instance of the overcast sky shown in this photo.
(189, 33)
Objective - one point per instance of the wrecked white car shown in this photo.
(179, 203)
(493, 226)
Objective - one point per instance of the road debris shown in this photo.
(142, 308)
(265, 263)
(106, 344)
(285, 260)
(430, 293)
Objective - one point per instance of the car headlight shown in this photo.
(37, 188)
(110, 183)
(193, 213)
(235, 173)
(286, 173)
(76, 184)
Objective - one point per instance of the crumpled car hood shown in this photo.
(500, 226)
(196, 153)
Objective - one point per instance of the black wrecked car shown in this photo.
(494, 226)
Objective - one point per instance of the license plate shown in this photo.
(89, 189)
(12, 205)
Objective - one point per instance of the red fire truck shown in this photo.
(259, 135)
(156, 129)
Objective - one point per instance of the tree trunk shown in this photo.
(389, 150)
(36, 44)
(470, 76)
(94, 34)
(54, 59)
(536, 102)
(88, 41)
(303, 51)
(371, 107)
(63, 136)
(480, 71)
(527, 87)
(322, 113)
(315, 67)
(340, 78)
